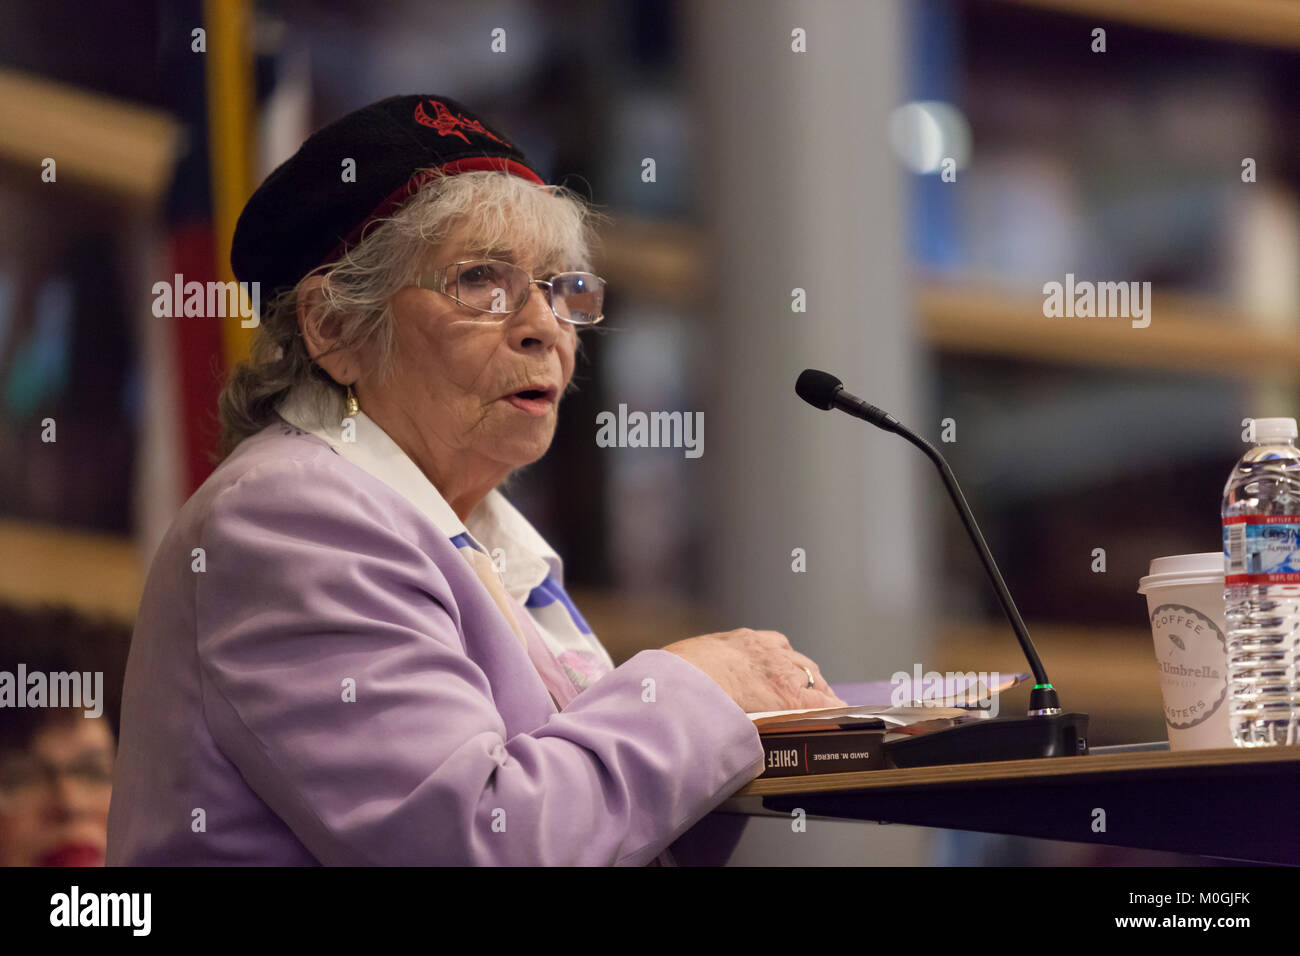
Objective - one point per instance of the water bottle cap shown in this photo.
(1269, 430)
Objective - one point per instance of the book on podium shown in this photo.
(853, 738)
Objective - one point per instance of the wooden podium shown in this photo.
(1229, 803)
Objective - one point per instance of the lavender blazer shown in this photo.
(335, 685)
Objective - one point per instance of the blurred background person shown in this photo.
(56, 763)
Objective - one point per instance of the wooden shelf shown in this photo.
(660, 261)
(94, 574)
(1108, 673)
(109, 144)
(628, 624)
(1263, 22)
(1185, 334)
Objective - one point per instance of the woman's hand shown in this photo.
(759, 670)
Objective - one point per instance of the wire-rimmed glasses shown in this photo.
(502, 288)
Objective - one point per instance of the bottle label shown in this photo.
(1261, 549)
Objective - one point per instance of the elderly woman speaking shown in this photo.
(351, 648)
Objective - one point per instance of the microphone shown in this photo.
(823, 390)
(1047, 731)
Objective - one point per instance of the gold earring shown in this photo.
(353, 407)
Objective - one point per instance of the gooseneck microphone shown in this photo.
(825, 391)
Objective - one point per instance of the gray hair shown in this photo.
(503, 212)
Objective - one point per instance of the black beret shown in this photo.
(305, 215)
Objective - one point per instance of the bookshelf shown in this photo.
(662, 262)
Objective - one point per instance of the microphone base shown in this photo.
(993, 738)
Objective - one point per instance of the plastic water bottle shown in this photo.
(1261, 552)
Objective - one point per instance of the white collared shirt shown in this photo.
(530, 570)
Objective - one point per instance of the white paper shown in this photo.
(901, 716)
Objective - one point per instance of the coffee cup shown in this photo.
(1184, 595)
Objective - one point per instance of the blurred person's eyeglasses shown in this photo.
(502, 288)
(25, 777)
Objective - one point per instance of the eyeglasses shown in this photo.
(23, 777)
(501, 288)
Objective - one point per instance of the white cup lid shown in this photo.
(1181, 569)
(1207, 562)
